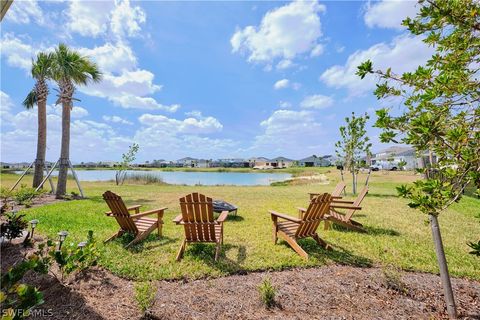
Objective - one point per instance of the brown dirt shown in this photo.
(330, 292)
(38, 201)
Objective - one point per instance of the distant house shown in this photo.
(17, 165)
(186, 162)
(330, 160)
(390, 157)
(233, 163)
(202, 163)
(260, 163)
(281, 162)
(313, 161)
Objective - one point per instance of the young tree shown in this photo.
(354, 145)
(41, 72)
(441, 114)
(127, 159)
(69, 69)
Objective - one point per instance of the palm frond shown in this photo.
(30, 100)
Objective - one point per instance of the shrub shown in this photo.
(475, 248)
(267, 292)
(24, 195)
(76, 256)
(17, 299)
(393, 280)
(143, 178)
(145, 295)
(14, 225)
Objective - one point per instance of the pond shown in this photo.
(191, 178)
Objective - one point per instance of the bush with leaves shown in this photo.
(14, 225)
(267, 292)
(24, 195)
(17, 299)
(74, 257)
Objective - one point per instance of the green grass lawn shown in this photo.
(396, 234)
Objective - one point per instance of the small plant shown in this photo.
(267, 292)
(76, 256)
(5, 195)
(393, 280)
(24, 195)
(17, 299)
(475, 247)
(145, 295)
(14, 225)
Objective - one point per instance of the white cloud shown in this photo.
(79, 112)
(186, 126)
(284, 104)
(389, 14)
(17, 53)
(317, 101)
(317, 50)
(281, 84)
(299, 130)
(126, 20)
(89, 18)
(112, 57)
(97, 18)
(285, 83)
(116, 119)
(404, 53)
(23, 12)
(284, 33)
(5, 102)
(285, 64)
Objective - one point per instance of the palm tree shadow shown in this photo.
(151, 242)
(370, 230)
(206, 253)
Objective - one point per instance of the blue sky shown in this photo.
(203, 79)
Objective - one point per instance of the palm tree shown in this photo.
(69, 69)
(41, 72)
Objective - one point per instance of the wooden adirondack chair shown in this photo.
(304, 226)
(137, 224)
(337, 192)
(345, 219)
(200, 226)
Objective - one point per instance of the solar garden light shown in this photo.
(33, 224)
(81, 245)
(61, 237)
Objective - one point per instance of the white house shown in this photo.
(392, 156)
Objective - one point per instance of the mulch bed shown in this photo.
(37, 201)
(329, 292)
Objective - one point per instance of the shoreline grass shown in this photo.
(397, 235)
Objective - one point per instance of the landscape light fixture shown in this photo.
(82, 244)
(33, 224)
(61, 237)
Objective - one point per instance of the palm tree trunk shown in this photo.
(65, 150)
(41, 143)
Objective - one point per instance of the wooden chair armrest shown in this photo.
(346, 207)
(342, 201)
(284, 216)
(178, 219)
(146, 213)
(222, 216)
(301, 209)
(136, 208)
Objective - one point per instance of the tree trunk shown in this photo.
(65, 150)
(442, 264)
(41, 143)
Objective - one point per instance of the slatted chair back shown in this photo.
(319, 206)
(357, 203)
(198, 220)
(120, 212)
(337, 192)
